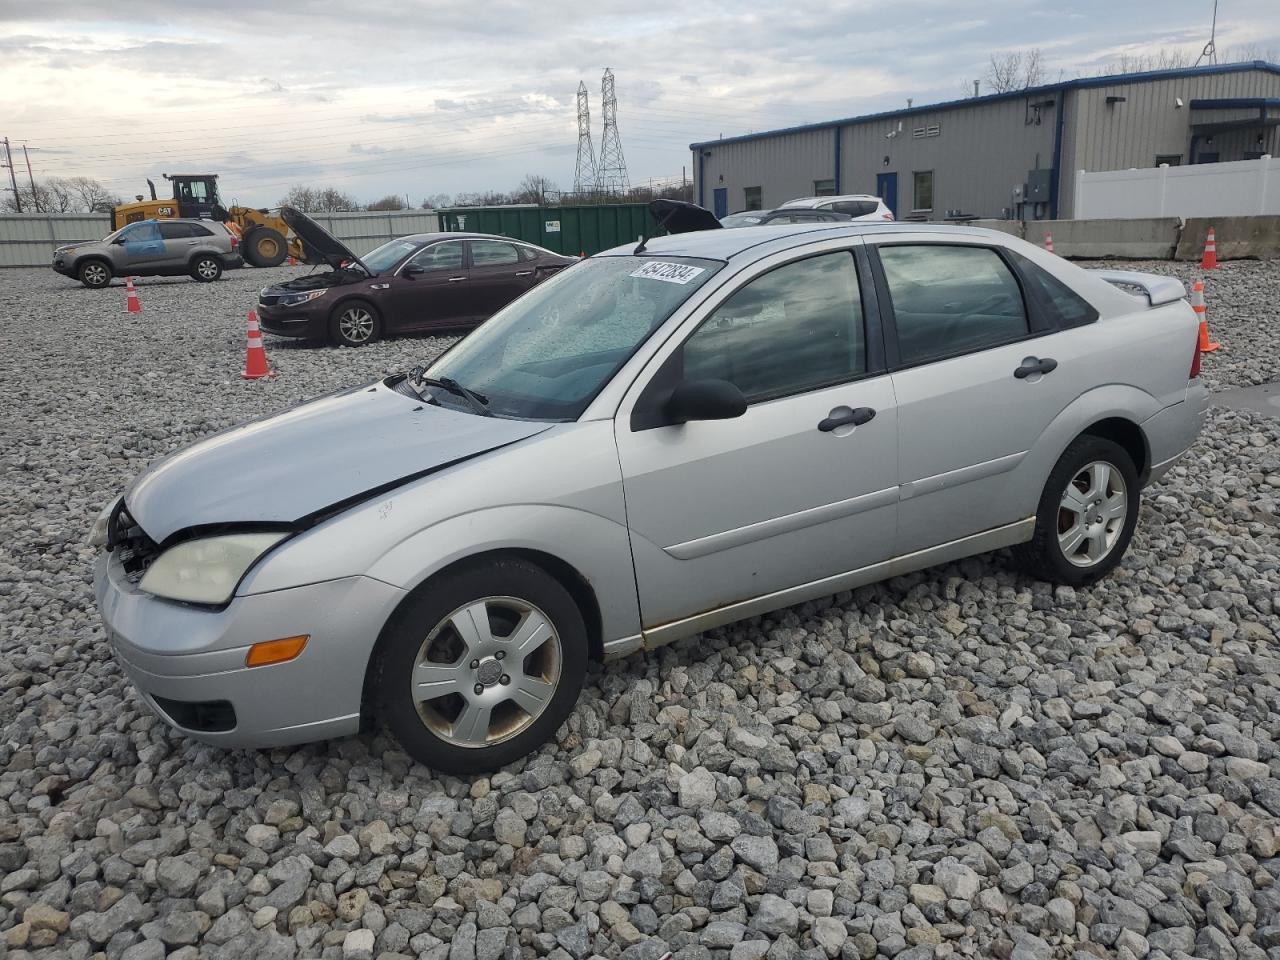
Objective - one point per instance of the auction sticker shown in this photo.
(668, 272)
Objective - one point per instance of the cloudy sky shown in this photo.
(400, 97)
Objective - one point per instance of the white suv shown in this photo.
(860, 206)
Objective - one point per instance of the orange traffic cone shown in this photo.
(1210, 259)
(1048, 242)
(255, 358)
(1197, 304)
(132, 304)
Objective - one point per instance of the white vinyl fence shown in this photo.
(1242, 188)
(28, 239)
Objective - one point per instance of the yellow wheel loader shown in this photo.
(264, 237)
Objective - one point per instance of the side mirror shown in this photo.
(705, 400)
(413, 270)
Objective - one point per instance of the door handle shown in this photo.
(1035, 365)
(523, 273)
(858, 416)
(456, 279)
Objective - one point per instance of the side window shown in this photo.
(141, 232)
(951, 299)
(492, 253)
(792, 329)
(198, 231)
(175, 231)
(855, 208)
(446, 255)
(1066, 307)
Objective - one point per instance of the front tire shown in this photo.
(355, 323)
(481, 666)
(206, 269)
(94, 274)
(1086, 516)
(265, 247)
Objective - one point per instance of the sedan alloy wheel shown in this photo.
(356, 325)
(1092, 514)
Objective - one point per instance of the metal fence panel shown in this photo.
(28, 239)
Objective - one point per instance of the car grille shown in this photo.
(135, 550)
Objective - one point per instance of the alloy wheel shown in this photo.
(96, 274)
(486, 671)
(1091, 514)
(356, 325)
(207, 269)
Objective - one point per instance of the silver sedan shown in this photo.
(657, 441)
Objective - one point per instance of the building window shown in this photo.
(1172, 159)
(751, 198)
(922, 190)
(824, 188)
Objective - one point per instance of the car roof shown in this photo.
(724, 244)
(816, 201)
(463, 235)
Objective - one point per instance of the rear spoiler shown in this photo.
(1158, 289)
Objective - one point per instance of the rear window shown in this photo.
(1066, 308)
(855, 208)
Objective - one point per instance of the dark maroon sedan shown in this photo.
(427, 281)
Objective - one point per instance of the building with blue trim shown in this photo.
(1009, 155)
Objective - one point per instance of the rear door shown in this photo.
(964, 346)
(179, 241)
(431, 289)
(498, 275)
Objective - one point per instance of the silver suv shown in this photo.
(655, 441)
(148, 248)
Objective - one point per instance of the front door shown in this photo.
(431, 289)
(142, 246)
(887, 190)
(498, 275)
(721, 197)
(803, 486)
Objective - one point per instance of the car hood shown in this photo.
(677, 216)
(296, 466)
(318, 239)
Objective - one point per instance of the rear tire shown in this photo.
(355, 323)
(94, 274)
(206, 268)
(1087, 514)
(264, 247)
(485, 709)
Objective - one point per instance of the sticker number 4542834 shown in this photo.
(668, 272)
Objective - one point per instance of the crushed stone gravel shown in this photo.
(960, 762)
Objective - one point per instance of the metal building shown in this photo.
(1009, 155)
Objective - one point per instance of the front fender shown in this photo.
(598, 548)
(1110, 400)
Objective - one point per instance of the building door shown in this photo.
(887, 190)
(721, 202)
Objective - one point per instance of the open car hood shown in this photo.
(677, 216)
(319, 240)
(297, 466)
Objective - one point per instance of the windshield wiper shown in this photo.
(478, 402)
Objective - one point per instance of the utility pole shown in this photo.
(13, 181)
(35, 196)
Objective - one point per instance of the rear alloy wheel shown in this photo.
(206, 269)
(94, 274)
(497, 671)
(356, 323)
(1087, 514)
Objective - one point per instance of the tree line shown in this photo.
(61, 195)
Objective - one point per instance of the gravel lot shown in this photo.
(959, 762)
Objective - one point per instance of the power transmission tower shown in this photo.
(584, 173)
(613, 165)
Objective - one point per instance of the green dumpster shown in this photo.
(567, 230)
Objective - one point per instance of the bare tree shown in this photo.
(90, 195)
(65, 195)
(1014, 70)
(319, 200)
(534, 188)
(435, 201)
(1162, 59)
(389, 202)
